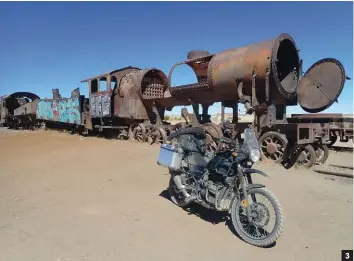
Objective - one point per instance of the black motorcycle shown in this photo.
(223, 182)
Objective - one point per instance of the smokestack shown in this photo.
(56, 94)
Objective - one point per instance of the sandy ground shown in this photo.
(65, 198)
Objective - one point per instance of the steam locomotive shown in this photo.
(266, 77)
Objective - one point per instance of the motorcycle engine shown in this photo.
(212, 187)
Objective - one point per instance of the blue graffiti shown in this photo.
(62, 110)
(69, 111)
(44, 110)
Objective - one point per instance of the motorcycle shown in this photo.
(222, 181)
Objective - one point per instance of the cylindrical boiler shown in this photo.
(278, 58)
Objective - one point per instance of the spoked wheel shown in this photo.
(273, 145)
(137, 132)
(158, 136)
(267, 218)
(306, 156)
(322, 153)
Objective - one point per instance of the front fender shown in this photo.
(253, 186)
(251, 171)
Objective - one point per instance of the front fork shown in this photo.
(243, 184)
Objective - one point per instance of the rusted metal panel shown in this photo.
(56, 94)
(103, 75)
(305, 133)
(329, 121)
(66, 110)
(127, 102)
(136, 91)
(317, 116)
(29, 108)
(100, 104)
(321, 85)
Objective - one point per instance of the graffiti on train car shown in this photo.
(61, 110)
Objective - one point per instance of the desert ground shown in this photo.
(69, 198)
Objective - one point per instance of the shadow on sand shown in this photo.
(211, 216)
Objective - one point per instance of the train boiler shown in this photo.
(267, 78)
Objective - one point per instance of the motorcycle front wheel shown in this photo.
(267, 218)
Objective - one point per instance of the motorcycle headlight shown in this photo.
(255, 155)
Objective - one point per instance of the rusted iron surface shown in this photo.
(305, 133)
(26, 109)
(276, 59)
(321, 85)
(104, 75)
(10, 103)
(336, 121)
(56, 94)
(136, 92)
(317, 116)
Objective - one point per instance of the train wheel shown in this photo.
(273, 146)
(43, 126)
(158, 136)
(307, 156)
(137, 132)
(322, 153)
(123, 135)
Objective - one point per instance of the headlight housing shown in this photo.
(254, 155)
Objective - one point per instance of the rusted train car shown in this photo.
(340, 126)
(266, 77)
(10, 105)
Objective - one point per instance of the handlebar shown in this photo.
(228, 141)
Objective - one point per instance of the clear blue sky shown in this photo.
(55, 45)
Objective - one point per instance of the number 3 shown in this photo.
(347, 256)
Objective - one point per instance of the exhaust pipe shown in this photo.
(178, 182)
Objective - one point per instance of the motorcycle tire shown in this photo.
(279, 219)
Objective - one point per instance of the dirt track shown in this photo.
(66, 198)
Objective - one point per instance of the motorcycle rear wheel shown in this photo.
(268, 239)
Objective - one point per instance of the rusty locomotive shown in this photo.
(265, 77)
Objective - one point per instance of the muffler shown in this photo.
(177, 180)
